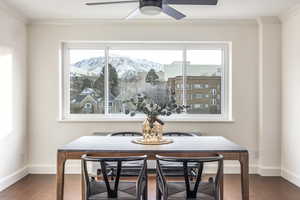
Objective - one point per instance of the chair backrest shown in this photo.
(126, 133)
(190, 193)
(113, 192)
(179, 134)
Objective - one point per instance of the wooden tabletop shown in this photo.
(124, 144)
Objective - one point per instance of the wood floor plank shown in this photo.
(42, 187)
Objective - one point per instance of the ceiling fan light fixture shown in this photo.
(151, 7)
(151, 10)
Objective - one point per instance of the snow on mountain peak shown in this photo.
(125, 66)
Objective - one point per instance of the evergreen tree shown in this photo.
(151, 77)
(87, 83)
(113, 82)
(99, 85)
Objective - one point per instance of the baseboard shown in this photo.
(51, 169)
(13, 178)
(76, 169)
(268, 171)
(291, 177)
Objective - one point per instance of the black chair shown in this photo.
(129, 169)
(171, 168)
(126, 133)
(189, 190)
(179, 134)
(115, 190)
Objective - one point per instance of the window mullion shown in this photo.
(106, 82)
(184, 95)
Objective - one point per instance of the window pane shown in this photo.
(203, 75)
(150, 72)
(87, 81)
(205, 57)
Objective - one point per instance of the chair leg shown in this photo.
(145, 194)
(158, 193)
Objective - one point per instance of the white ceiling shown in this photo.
(76, 9)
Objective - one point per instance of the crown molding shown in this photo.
(293, 11)
(12, 12)
(142, 21)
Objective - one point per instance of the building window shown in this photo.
(197, 106)
(213, 102)
(198, 96)
(97, 78)
(213, 91)
(197, 86)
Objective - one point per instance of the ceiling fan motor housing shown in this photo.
(151, 7)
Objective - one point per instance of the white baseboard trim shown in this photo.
(291, 177)
(76, 169)
(230, 169)
(13, 178)
(268, 171)
(51, 169)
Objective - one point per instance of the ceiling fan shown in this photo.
(155, 7)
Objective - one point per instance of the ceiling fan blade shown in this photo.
(191, 2)
(110, 2)
(134, 13)
(172, 12)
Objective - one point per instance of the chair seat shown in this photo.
(176, 190)
(200, 196)
(127, 191)
(103, 196)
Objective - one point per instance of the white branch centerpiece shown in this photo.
(152, 126)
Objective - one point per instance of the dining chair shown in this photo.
(199, 189)
(104, 189)
(180, 134)
(128, 168)
(171, 168)
(126, 133)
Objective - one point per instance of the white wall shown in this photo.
(13, 145)
(47, 134)
(269, 132)
(291, 96)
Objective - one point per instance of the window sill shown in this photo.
(141, 119)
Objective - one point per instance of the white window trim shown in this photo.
(226, 90)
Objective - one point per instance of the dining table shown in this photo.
(104, 146)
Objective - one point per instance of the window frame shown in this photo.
(226, 90)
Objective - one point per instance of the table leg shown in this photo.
(222, 183)
(60, 175)
(82, 186)
(244, 161)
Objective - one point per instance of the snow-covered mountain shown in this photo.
(125, 66)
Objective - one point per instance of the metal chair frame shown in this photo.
(138, 134)
(113, 192)
(162, 186)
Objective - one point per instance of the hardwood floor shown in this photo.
(42, 187)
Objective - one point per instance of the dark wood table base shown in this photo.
(242, 157)
(182, 147)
